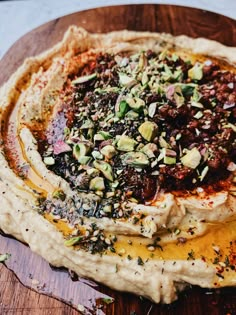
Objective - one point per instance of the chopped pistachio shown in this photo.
(142, 61)
(148, 130)
(169, 160)
(97, 183)
(110, 194)
(174, 57)
(97, 155)
(80, 149)
(125, 80)
(136, 159)
(49, 160)
(196, 96)
(4, 257)
(84, 160)
(73, 241)
(84, 78)
(168, 155)
(135, 103)
(92, 172)
(163, 143)
(178, 96)
(106, 135)
(196, 73)
(105, 168)
(123, 108)
(108, 151)
(192, 158)
(59, 194)
(177, 75)
(149, 149)
(126, 143)
(152, 109)
(88, 124)
(198, 115)
(132, 115)
(144, 78)
(107, 208)
(187, 88)
(203, 173)
(197, 104)
(98, 137)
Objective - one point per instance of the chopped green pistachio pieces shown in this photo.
(125, 80)
(192, 158)
(196, 104)
(204, 172)
(150, 149)
(132, 115)
(135, 103)
(108, 300)
(136, 159)
(92, 171)
(168, 156)
(49, 160)
(4, 257)
(105, 135)
(88, 124)
(105, 168)
(152, 109)
(97, 183)
(178, 96)
(80, 150)
(59, 194)
(84, 78)
(123, 108)
(126, 143)
(84, 160)
(73, 241)
(198, 115)
(196, 96)
(108, 151)
(97, 155)
(196, 73)
(169, 160)
(148, 130)
(163, 143)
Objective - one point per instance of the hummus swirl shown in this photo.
(118, 160)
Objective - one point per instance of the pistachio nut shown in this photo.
(108, 151)
(105, 168)
(148, 130)
(84, 78)
(150, 149)
(126, 143)
(136, 159)
(192, 158)
(125, 80)
(135, 103)
(80, 149)
(97, 183)
(196, 73)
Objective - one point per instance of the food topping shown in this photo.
(146, 122)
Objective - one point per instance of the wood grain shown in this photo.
(17, 299)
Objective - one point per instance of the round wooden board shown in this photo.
(17, 299)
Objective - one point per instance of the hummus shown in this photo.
(88, 199)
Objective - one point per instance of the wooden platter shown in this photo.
(18, 299)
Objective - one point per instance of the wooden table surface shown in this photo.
(18, 299)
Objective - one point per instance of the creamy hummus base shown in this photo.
(26, 99)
